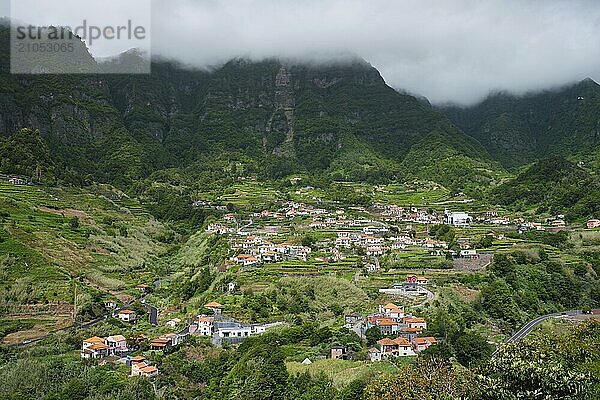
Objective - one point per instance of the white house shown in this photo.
(457, 218)
(205, 325)
(374, 354)
(468, 253)
(415, 323)
(127, 315)
(143, 369)
(422, 343)
(117, 344)
(398, 347)
(245, 259)
(94, 347)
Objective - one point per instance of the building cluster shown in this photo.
(140, 366)
(115, 349)
(400, 347)
(374, 245)
(99, 347)
(217, 327)
(401, 330)
(259, 246)
(257, 250)
(222, 329)
(292, 210)
(492, 218)
(374, 237)
(394, 213)
(391, 320)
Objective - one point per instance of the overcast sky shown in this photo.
(446, 50)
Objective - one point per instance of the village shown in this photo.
(316, 237)
(216, 327)
(366, 233)
(378, 231)
(401, 332)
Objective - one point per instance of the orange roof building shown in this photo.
(386, 342)
(94, 339)
(98, 346)
(400, 341)
(413, 319)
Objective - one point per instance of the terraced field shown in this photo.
(53, 239)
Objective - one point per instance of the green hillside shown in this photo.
(58, 243)
(554, 186)
(517, 130)
(272, 118)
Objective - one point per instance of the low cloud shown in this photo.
(446, 50)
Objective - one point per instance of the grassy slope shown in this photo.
(110, 251)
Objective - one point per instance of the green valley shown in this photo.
(289, 228)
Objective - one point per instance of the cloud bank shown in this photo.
(446, 50)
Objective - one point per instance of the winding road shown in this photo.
(152, 313)
(531, 325)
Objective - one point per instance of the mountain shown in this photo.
(272, 117)
(517, 130)
(553, 185)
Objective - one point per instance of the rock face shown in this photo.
(284, 90)
(282, 119)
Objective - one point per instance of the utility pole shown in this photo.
(75, 303)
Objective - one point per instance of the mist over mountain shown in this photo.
(447, 51)
(275, 116)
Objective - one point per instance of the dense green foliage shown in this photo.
(550, 365)
(256, 370)
(267, 118)
(518, 130)
(522, 286)
(554, 186)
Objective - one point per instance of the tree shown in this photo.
(308, 240)
(485, 242)
(427, 379)
(260, 373)
(353, 391)
(471, 348)
(532, 369)
(373, 334)
(498, 302)
(74, 223)
(441, 350)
